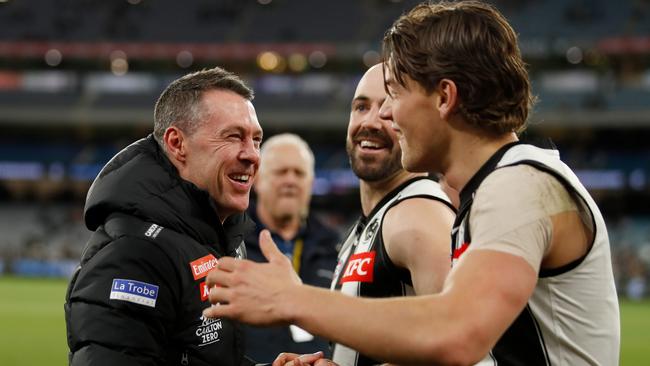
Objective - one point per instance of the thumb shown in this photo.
(268, 247)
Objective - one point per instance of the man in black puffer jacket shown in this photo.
(163, 211)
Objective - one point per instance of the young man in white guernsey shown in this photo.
(531, 282)
(400, 244)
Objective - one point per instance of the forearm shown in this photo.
(482, 296)
(399, 330)
(458, 326)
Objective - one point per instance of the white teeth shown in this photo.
(366, 143)
(241, 177)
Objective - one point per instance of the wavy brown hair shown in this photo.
(473, 45)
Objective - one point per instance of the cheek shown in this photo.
(352, 130)
(399, 117)
(351, 127)
(217, 173)
(306, 187)
(263, 187)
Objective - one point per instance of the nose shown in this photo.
(371, 119)
(289, 177)
(250, 152)
(386, 109)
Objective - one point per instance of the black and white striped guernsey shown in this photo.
(364, 268)
(572, 317)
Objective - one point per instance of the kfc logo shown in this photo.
(360, 268)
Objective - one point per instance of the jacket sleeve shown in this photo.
(122, 305)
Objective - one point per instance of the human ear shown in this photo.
(447, 100)
(174, 140)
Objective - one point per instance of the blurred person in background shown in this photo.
(163, 211)
(531, 282)
(283, 190)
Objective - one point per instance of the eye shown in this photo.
(257, 141)
(360, 107)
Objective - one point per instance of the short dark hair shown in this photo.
(473, 45)
(180, 103)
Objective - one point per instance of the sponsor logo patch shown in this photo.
(137, 292)
(202, 266)
(205, 291)
(360, 268)
(153, 231)
(372, 229)
(208, 331)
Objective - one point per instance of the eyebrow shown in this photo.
(241, 130)
(360, 98)
(365, 99)
(231, 129)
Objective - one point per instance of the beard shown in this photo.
(372, 169)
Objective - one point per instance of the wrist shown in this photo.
(292, 307)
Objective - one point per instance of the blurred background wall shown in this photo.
(78, 80)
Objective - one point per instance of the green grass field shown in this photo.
(32, 328)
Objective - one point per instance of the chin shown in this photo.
(238, 207)
(285, 211)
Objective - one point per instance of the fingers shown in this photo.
(218, 277)
(325, 362)
(226, 264)
(219, 295)
(268, 247)
(293, 359)
(285, 358)
(219, 311)
(309, 358)
(221, 276)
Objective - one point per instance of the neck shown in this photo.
(469, 152)
(285, 226)
(373, 192)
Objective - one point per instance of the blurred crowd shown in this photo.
(47, 240)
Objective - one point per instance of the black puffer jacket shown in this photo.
(137, 297)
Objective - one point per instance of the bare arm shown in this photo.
(482, 296)
(416, 237)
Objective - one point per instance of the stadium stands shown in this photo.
(67, 105)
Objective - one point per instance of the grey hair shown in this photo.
(180, 103)
(288, 139)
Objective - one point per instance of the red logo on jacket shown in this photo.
(202, 266)
(205, 291)
(360, 268)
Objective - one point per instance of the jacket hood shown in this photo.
(141, 181)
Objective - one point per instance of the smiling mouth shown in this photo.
(371, 145)
(242, 178)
